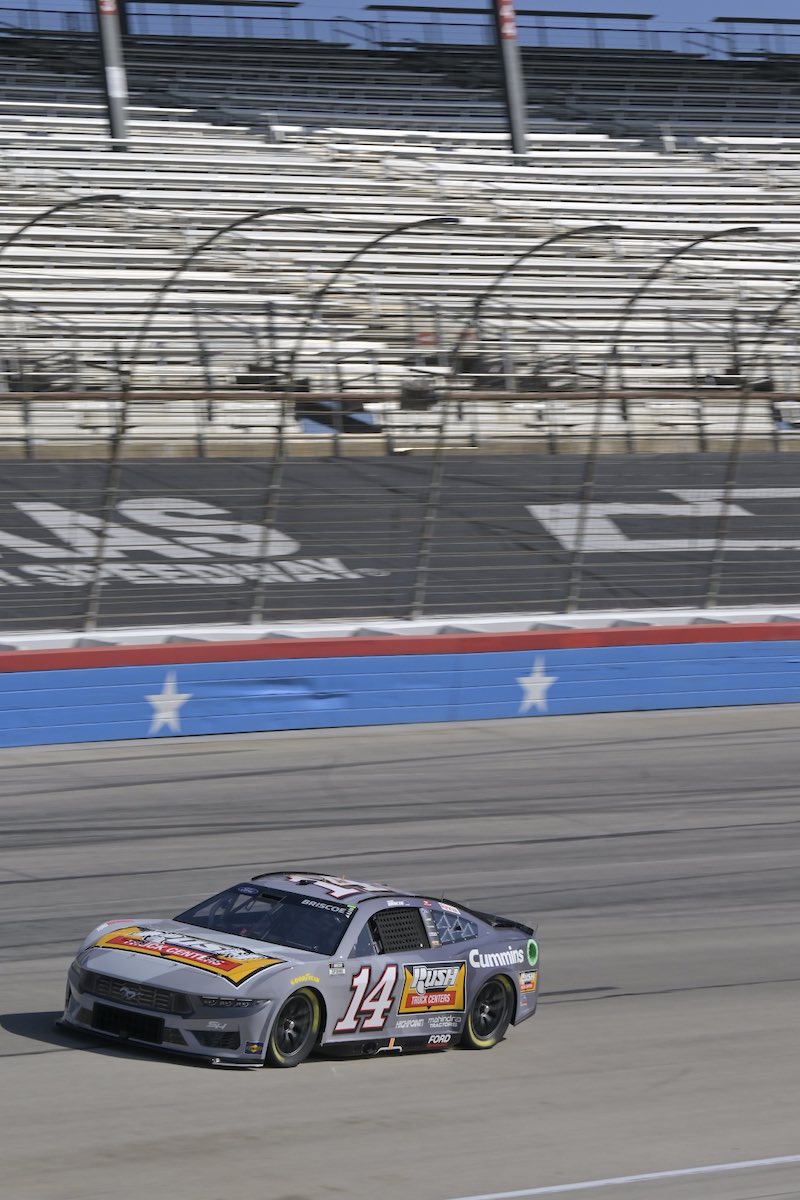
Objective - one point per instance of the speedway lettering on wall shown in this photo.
(187, 539)
(598, 527)
(186, 535)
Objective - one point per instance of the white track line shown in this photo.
(619, 1180)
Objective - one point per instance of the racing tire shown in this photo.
(489, 1015)
(295, 1030)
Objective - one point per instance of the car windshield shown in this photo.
(273, 916)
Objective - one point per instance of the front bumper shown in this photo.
(196, 1032)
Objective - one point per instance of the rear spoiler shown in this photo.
(490, 919)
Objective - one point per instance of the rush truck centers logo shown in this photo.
(438, 986)
(233, 963)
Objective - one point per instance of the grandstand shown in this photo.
(645, 149)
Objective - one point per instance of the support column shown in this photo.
(108, 23)
(505, 23)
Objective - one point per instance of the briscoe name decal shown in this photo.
(196, 534)
(438, 986)
(503, 958)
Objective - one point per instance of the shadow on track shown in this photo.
(41, 1028)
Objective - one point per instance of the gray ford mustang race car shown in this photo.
(271, 969)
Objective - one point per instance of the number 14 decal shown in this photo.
(368, 1005)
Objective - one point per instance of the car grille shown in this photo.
(137, 995)
(173, 1037)
(221, 1041)
(118, 1021)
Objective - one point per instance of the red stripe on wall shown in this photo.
(357, 647)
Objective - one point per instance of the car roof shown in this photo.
(323, 886)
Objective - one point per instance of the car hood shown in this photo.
(185, 957)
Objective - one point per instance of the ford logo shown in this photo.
(128, 993)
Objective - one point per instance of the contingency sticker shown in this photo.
(528, 981)
(438, 986)
(231, 962)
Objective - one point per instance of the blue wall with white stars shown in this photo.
(103, 703)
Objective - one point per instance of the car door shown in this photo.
(367, 996)
(434, 997)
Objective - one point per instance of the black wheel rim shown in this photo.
(489, 1009)
(295, 1024)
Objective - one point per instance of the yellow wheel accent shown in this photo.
(295, 1029)
(489, 1015)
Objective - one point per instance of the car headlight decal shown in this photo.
(225, 1002)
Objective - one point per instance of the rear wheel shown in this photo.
(489, 1015)
(295, 1030)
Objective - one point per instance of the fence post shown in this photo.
(429, 515)
(270, 514)
(587, 493)
(731, 469)
(110, 493)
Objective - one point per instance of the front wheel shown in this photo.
(295, 1030)
(490, 1014)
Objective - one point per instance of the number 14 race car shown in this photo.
(286, 964)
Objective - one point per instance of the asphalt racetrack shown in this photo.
(658, 853)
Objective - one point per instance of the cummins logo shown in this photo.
(502, 958)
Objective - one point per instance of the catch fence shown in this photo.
(302, 530)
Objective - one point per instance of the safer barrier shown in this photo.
(102, 694)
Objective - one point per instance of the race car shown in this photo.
(288, 963)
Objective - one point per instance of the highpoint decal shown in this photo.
(231, 962)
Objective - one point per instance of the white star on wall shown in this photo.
(535, 688)
(166, 705)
